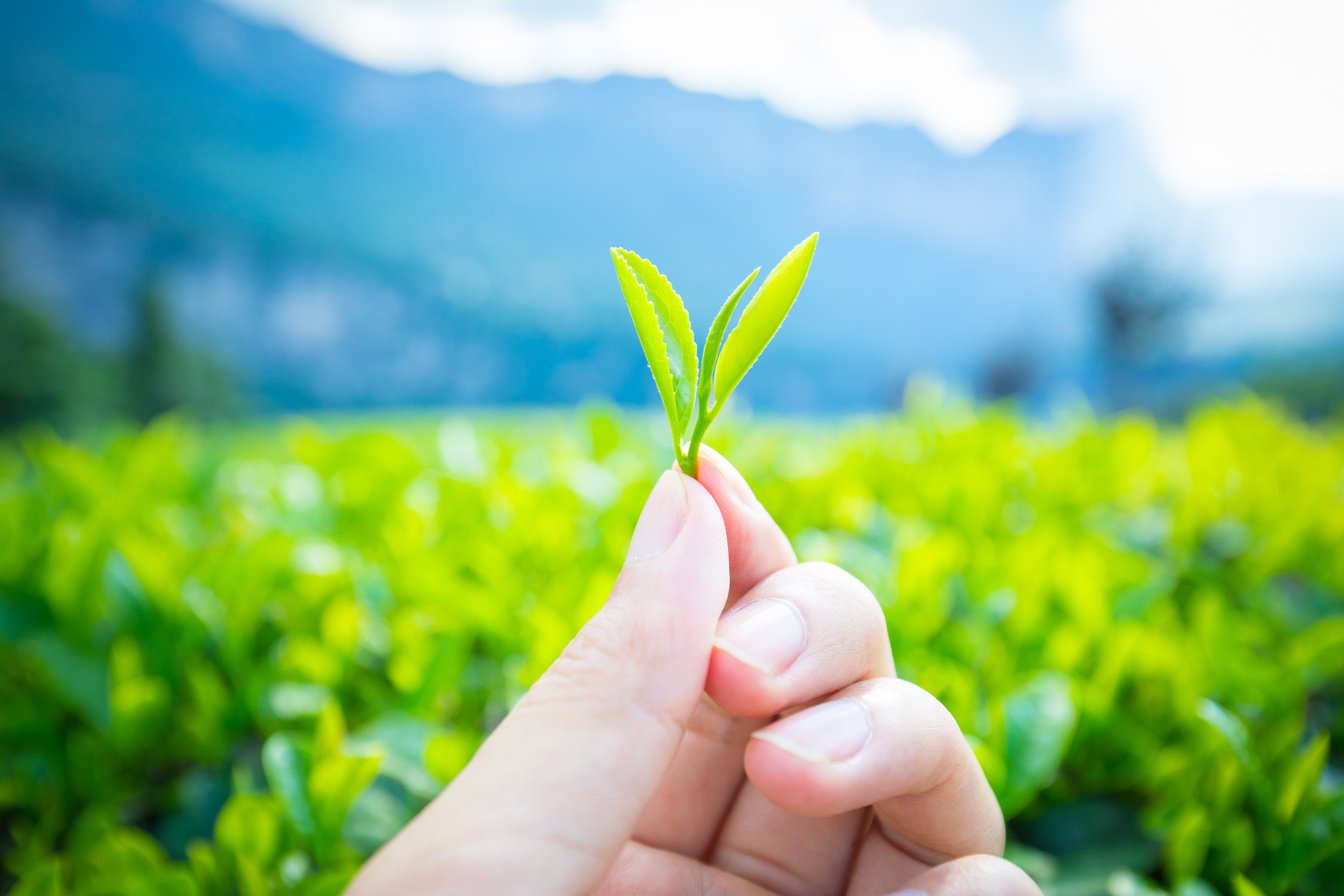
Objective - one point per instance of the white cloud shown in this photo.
(1230, 97)
(826, 61)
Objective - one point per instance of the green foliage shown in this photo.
(236, 661)
(664, 331)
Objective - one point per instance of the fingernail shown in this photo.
(911, 893)
(832, 732)
(661, 520)
(736, 483)
(767, 634)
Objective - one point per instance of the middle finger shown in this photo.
(799, 636)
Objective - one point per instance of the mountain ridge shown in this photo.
(492, 207)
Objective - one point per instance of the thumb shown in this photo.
(554, 793)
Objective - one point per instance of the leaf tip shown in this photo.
(618, 258)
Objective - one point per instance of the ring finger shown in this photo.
(798, 637)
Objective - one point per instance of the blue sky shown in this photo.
(1228, 98)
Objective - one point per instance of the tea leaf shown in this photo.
(762, 317)
(1040, 718)
(287, 772)
(1232, 729)
(79, 679)
(1301, 777)
(676, 326)
(713, 344)
(650, 334)
(334, 784)
(1243, 886)
(714, 341)
(250, 827)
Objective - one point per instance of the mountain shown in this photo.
(348, 236)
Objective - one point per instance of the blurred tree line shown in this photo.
(1142, 311)
(46, 376)
(1139, 312)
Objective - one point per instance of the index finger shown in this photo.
(757, 547)
(688, 806)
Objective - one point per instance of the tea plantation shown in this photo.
(237, 660)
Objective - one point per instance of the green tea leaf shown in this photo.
(1188, 840)
(677, 334)
(249, 827)
(333, 786)
(287, 772)
(1039, 720)
(447, 754)
(714, 341)
(705, 414)
(650, 334)
(46, 878)
(330, 731)
(78, 678)
(762, 317)
(1242, 886)
(326, 883)
(1233, 730)
(1302, 776)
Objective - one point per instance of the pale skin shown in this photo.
(729, 722)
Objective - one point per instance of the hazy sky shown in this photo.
(1229, 97)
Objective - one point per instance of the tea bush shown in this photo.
(238, 660)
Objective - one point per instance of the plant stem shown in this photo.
(687, 465)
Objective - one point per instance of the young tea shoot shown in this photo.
(694, 389)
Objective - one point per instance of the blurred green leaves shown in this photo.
(1038, 722)
(237, 660)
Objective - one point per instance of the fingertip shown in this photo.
(679, 516)
(739, 685)
(661, 521)
(793, 783)
(756, 645)
(811, 762)
(705, 522)
(723, 479)
(693, 571)
(756, 545)
(674, 583)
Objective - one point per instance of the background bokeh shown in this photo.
(322, 424)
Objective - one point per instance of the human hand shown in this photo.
(673, 748)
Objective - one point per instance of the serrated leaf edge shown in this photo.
(664, 384)
(671, 316)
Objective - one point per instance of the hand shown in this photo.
(676, 749)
